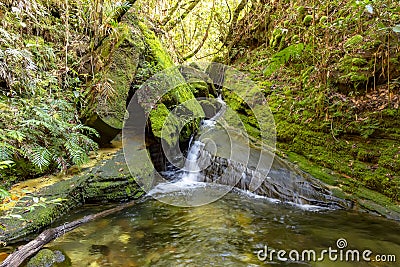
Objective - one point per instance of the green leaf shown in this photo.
(6, 164)
(16, 135)
(4, 193)
(6, 151)
(396, 28)
(40, 157)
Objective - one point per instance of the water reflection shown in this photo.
(228, 232)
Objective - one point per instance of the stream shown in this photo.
(228, 232)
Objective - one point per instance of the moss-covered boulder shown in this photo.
(124, 66)
(157, 99)
(116, 61)
(49, 258)
(108, 181)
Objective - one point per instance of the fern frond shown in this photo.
(6, 151)
(282, 57)
(16, 135)
(6, 164)
(76, 153)
(87, 143)
(82, 128)
(3, 193)
(61, 163)
(34, 122)
(40, 157)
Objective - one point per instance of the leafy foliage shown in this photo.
(336, 102)
(283, 56)
(49, 64)
(46, 136)
(3, 193)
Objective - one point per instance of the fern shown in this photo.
(83, 128)
(282, 57)
(16, 135)
(76, 153)
(37, 123)
(3, 193)
(40, 157)
(6, 151)
(6, 164)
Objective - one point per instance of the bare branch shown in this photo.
(169, 16)
(197, 49)
(175, 22)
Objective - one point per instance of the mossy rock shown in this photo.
(117, 62)
(155, 59)
(201, 83)
(120, 74)
(134, 58)
(109, 181)
(355, 70)
(49, 258)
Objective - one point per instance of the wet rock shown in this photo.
(47, 258)
(283, 181)
(99, 249)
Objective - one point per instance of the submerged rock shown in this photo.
(101, 249)
(48, 258)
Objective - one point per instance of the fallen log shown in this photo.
(16, 258)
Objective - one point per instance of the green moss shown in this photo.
(276, 38)
(295, 38)
(120, 74)
(158, 116)
(157, 49)
(286, 23)
(47, 258)
(301, 10)
(158, 59)
(390, 159)
(323, 174)
(307, 20)
(354, 77)
(323, 19)
(319, 119)
(353, 41)
(359, 61)
(345, 188)
(44, 258)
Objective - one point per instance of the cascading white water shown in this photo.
(191, 168)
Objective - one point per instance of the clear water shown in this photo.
(228, 232)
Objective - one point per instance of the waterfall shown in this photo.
(191, 168)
